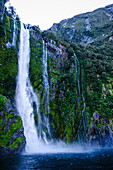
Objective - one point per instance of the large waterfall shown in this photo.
(27, 104)
(25, 96)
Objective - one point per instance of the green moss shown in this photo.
(36, 61)
(3, 100)
(7, 134)
(17, 124)
(16, 143)
(8, 67)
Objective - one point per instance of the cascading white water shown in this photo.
(77, 73)
(46, 91)
(25, 99)
(45, 77)
(80, 96)
(14, 34)
(25, 96)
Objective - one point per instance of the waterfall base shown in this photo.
(59, 147)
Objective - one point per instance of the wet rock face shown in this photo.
(11, 131)
(101, 132)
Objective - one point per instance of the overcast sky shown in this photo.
(46, 12)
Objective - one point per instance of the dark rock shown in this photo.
(8, 107)
(105, 120)
(100, 133)
(12, 132)
(51, 49)
(96, 117)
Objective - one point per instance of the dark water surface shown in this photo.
(100, 159)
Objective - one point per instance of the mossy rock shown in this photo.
(12, 139)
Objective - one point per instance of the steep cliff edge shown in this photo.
(87, 28)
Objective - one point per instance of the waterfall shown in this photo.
(45, 78)
(14, 34)
(25, 96)
(46, 91)
(77, 73)
(27, 102)
(82, 133)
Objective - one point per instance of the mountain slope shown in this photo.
(88, 27)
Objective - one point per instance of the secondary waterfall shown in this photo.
(77, 74)
(45, 78)
(46, 91)
(82, 133)
(25, 96)
(14, 33)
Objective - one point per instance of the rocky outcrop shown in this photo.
(100, 132)
(12, 139)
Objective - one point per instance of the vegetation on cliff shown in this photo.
(80, 77)
(12, 138)
(88, 27)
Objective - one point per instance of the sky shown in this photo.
(46, 12)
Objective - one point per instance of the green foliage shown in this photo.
(66, 104)
(58, 39)
(36, 62)
(8, 59)
(16, 143)
(63, 96)
(8, 69)
(98, 78)
(6, 134)
(3, 100)
(86, 28)
(9, 123)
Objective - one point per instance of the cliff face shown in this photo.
(62, 79)
(88, 27)
(79, 79)
(80, 82)
(12, 138)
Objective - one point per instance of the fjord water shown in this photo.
(100, 159)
